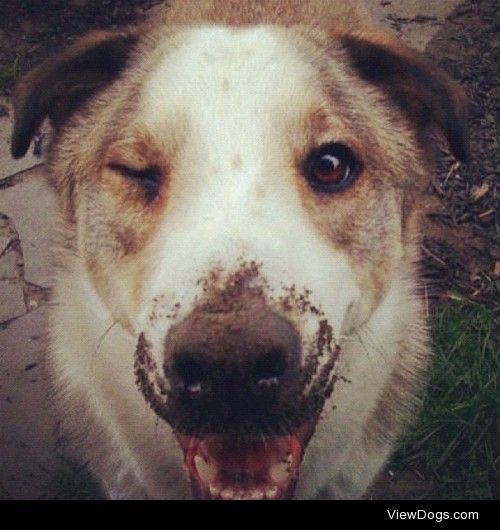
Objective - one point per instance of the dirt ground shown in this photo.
(463, 228)
(462, 232)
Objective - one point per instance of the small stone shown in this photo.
(32, 304)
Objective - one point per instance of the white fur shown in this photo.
(239, 100)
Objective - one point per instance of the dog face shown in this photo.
(241, 199)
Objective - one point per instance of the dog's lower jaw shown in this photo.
(136, 455)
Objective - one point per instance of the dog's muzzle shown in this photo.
(241, 395)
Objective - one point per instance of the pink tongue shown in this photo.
(236, 456)
(267, 464)
(251, 456)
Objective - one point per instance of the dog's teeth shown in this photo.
(207, 471)
(214, 490)
(256, 495)
(227, 494)
(279, 472)
(272, 493)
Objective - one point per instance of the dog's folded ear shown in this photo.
(425, 93)
(60, 84)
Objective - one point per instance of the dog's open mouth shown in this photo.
(239, 449)
(255, 468)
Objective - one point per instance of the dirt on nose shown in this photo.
(234, 292)
(239, 359)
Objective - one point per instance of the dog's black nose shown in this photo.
(232, 367)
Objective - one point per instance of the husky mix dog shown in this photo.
(237, 311)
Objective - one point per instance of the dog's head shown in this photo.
(242, 200)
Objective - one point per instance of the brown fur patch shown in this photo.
(318, 13)
(139, 154)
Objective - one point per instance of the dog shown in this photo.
(238, 309)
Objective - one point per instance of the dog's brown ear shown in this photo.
(60, 84)
(423, 92)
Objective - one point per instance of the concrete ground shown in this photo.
(28, 213)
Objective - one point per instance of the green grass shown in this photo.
(456, 441)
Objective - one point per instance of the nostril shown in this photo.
(270, 367)
(190, 373)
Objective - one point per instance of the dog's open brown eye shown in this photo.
(331, 167)
(148, 178)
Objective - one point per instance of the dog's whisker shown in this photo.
(102, 337)
(373, 343)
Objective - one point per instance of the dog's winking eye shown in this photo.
(331, 167)
(148, 178)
